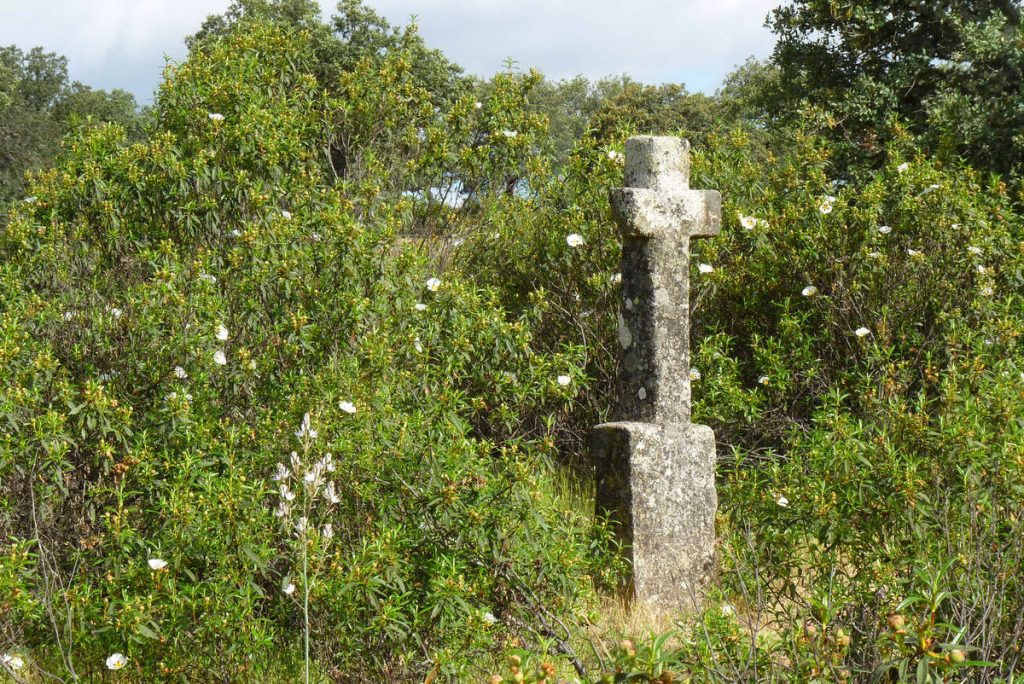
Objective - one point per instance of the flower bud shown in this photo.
(957, 656)
(897, 621)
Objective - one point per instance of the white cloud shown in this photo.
(122, 43)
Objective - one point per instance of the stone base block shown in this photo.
(657, 484)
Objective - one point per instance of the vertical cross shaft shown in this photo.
(657, 215)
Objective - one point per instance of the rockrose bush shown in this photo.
(243, 422)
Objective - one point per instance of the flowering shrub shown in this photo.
(238, 410)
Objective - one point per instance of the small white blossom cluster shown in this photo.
(302, 486)
(751, 222)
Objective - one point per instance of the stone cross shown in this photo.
(656, 470)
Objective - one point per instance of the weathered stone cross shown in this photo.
(656, 470)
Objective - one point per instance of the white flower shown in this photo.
(433, 284)
(417, 345)
(286, 494)
(614, 156)
(694, 374)
(30, 199)
(420, 306)
(976, 251)
(286, 214)
(478, 105)
(157, 563)
(208, 277)
(827, 204)
(116, 661)
(289, 590)
(875, 255)
(330, 494)
(728, 609)
(705, 268)
(509, 134)
(115, 312)
(12, 661)
(219, 358)
(489, 618)
(327, 462)
(214, 116)
(782, 501)
(281, 473)
(305, 430)
(180, 373)
(236, 233)
(574, 239)
(68, 315)
(347, 407)
(981, 268)
(862, 332)
(903, 167)
(564, 380)
(315, 237)
(763, 380)
(327, 531)
(913, 252)
(222, 333)
(987, 291)
(748, 222)
(615, 279)
(884, 230)
(809, 291)
(301, 524)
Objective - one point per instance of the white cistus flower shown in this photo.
(694, 374)
(564, 380)
(615, 279)
(433, 284)
(180, 373)
(509, 133)
(347, 407)
(222, 333)
(976, 251)
(281, 473)
(614, 156)
(417, 345)
(862, 332)
(305, 430)
(219, 358)
(987, 291)
(763, 380)
(782, 501)
(574, 239)
(981, 268)
(208, 277)
(116, 661)
(478, 104)
(903, 167)
(286, 214)
(289, 589)
(489, 618)
(827, 204)
(705, 268)
(728, 609)
(809, 291)
(156, 563)
(913, 252)
(884, 230)
(748, 222)
(215, 116)
(420, 306)
(116, 312)
(13, 661)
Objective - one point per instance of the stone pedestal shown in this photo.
(657, 485)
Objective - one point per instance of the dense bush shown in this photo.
(172, 310)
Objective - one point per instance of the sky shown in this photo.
(124, 43)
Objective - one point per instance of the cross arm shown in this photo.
(643, 212)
